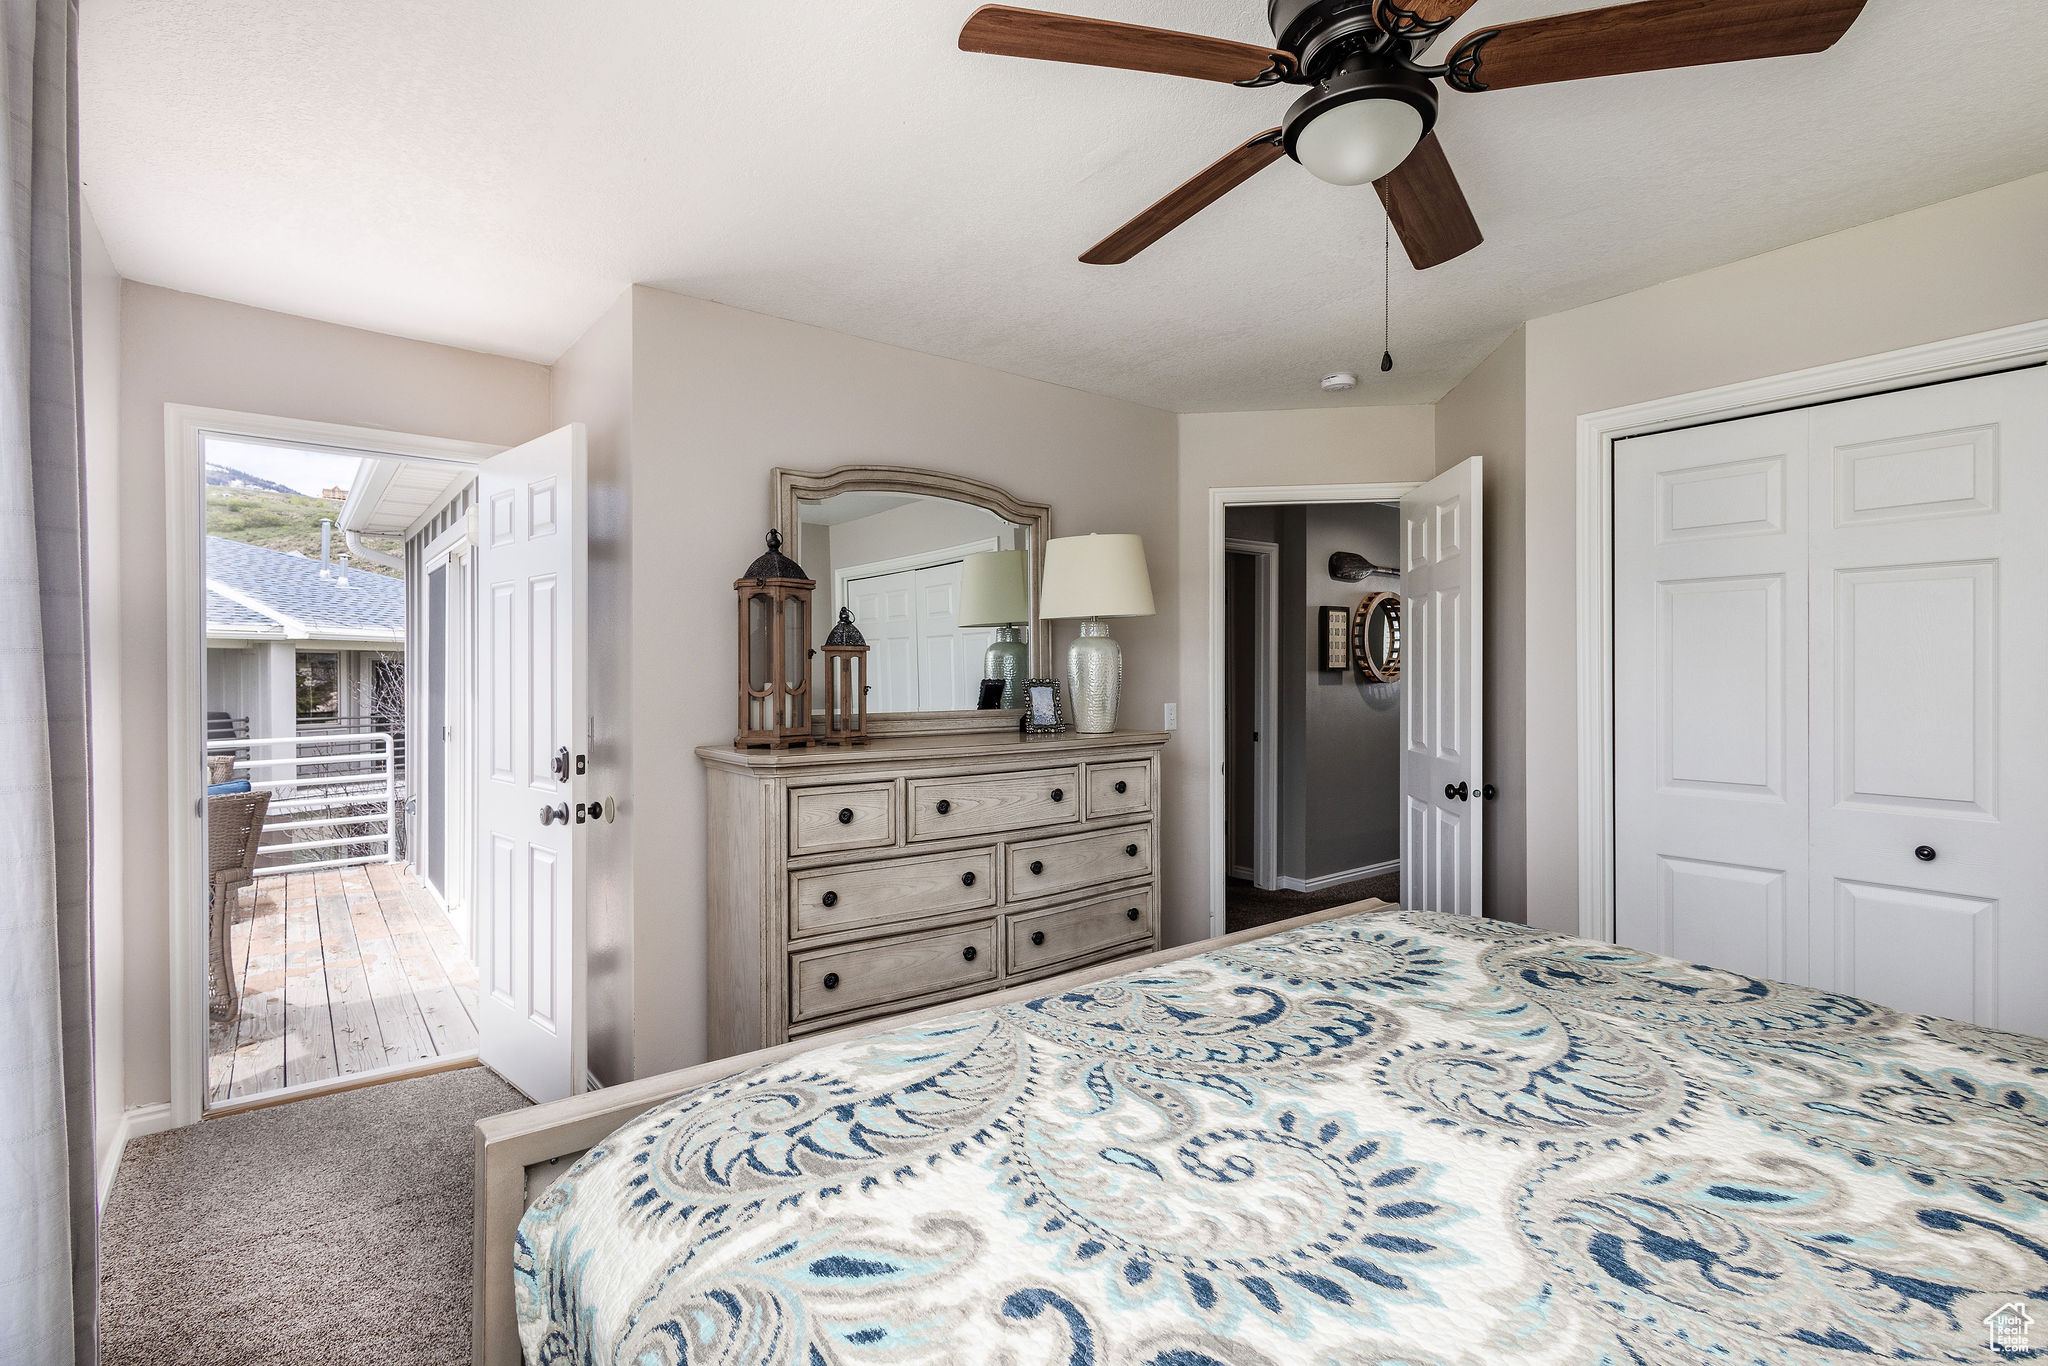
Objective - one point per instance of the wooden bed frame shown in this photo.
(519, 1154)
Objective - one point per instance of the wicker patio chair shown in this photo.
(234, 826)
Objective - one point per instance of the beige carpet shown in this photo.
(1245, 907)
(324, 1231)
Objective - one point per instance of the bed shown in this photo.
(1365, 1136)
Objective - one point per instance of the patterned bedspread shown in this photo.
(1387, 1138)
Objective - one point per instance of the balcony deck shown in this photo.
(342, 972)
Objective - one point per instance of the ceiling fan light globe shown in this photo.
(1360, 141)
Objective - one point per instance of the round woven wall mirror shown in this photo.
(1376, 637)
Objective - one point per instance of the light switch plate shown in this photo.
(1172, 716)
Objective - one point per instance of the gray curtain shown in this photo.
(49, 1276)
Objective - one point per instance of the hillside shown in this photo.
(284, 521)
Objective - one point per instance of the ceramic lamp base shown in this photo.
(1009, 660)
(1095, 679)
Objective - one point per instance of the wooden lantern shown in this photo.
(846, 683)
(775, 651)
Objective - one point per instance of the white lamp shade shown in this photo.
(992, 589)
(1096, 576)
(1359, 141)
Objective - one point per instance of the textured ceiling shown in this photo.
(492, 173)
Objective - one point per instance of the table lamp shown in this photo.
(992, 593)
(1091, 578)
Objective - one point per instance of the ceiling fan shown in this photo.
(1371, 101)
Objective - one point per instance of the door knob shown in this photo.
(561, 765)
(1456, 792)
(597, 811)
(550, 814)
(1925, 853)
(1489, 792)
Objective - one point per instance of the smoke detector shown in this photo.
(1339, 382)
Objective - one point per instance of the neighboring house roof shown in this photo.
(252, 590)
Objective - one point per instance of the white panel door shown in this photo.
(944, 658)
(1829, 636)
(1442, 770)
(1710, 694)
(1929, 593)
(530, 691)
(882, 608)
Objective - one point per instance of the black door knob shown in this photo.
(1131, 914)
(1036, 867)
(831, 981)
(1925, 853)
(1122, 788)
(597, 811)
(1130, 851)
(830, 898)
(1455, 792)
(969, 952)
(1059, 795)
(1489, 792)
(846, 815)
(1038, 936)
(944, 806)
(967, 879)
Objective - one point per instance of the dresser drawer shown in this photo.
(837, 981)
(983, 804)
(822, 819)
(1041, 939)
(1045, 868)
(827, 900)
(1118, 789)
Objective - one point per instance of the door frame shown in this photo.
(1982, 353)
(185, 429)
(1266, 691)
(453, 552)
(1221, 499)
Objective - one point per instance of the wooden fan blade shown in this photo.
(1010, 32)
(1233, 170)
(1651, 35)
(1429, 210)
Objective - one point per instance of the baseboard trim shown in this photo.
(1317, 884)
(136, 1122)
(1244, 875)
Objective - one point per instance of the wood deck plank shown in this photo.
(443, 941)
(447, 1020)
(259, 1039)
(406, 1038)
(309, 1026)
(359, 1042)
(222, 1036)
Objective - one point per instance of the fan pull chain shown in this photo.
(1387, 286)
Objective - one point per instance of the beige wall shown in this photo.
(1242, 450)
(721, 396)
(181, 348)
(1485, 416)
(593, 385)
(1964, 266)
(100, 359)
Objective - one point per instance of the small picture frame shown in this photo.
(1043, 714)
(991, 698)
(1337, 638)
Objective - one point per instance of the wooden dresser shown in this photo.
(848, 884)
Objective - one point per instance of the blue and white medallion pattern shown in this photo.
(1393, 1138)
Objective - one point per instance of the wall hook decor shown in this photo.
(1346, 567)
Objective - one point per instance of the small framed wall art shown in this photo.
(1337, 638)
(1043, 714)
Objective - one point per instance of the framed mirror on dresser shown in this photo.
(955, 852)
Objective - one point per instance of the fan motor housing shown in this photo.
(1359, 78)
(1320, 33)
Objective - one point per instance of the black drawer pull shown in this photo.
(1059, 794)
(967, 879)
(969, 952)
(1131, 914)
(1925, 853)
(1122, 787)
(944, 806)
(830, 898)
(1038, 936)
(1131, 850)
(846, 815)
(1036, 867)
(831, 981)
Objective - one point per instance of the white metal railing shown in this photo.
(335, 796)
